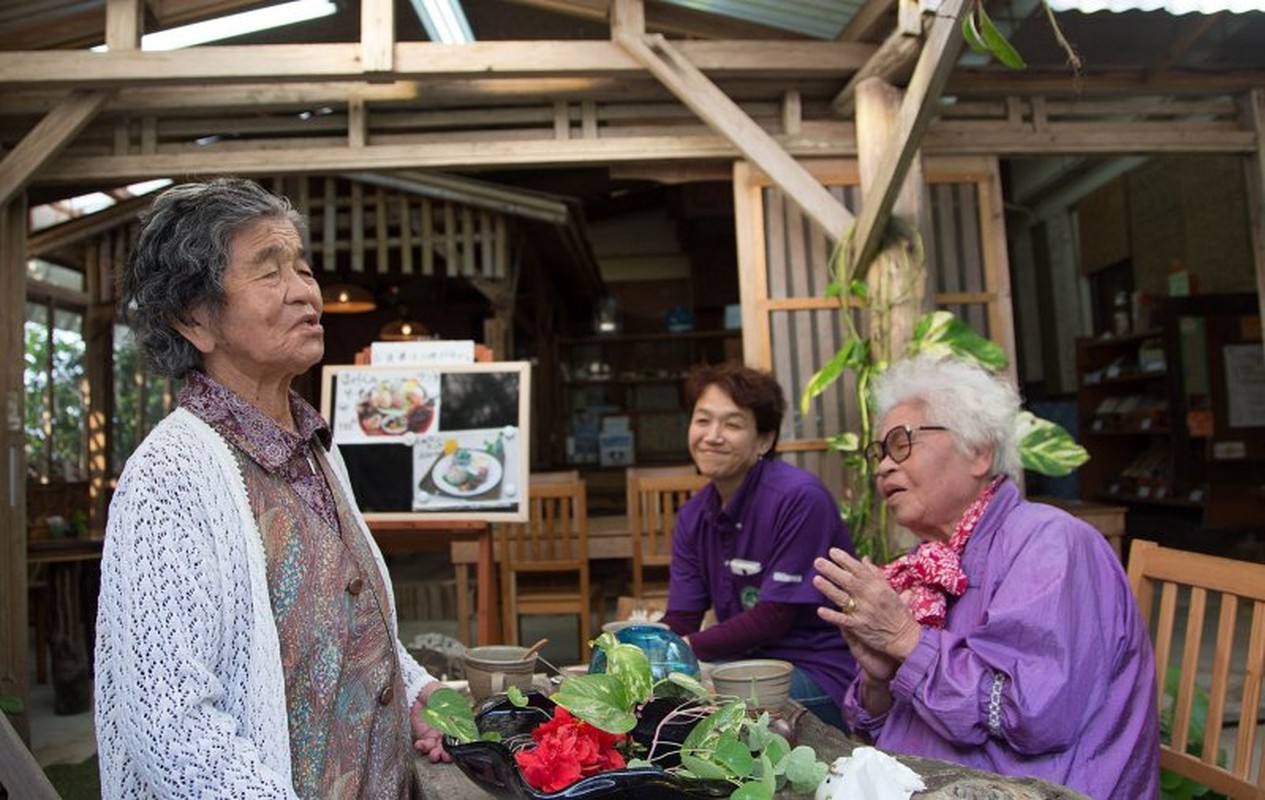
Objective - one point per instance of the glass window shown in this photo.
(37, 269)
(140, 399)
(56, 393)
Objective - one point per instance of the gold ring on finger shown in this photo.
(848, 605)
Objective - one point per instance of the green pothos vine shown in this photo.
(1044, 446)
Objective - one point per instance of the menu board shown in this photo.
(432, 442)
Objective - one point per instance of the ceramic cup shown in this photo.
(493, 669)
(762, 682)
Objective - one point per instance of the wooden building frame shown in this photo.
(96, 120)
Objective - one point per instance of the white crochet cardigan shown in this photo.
(190, 694)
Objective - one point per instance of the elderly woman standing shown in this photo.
(1009, 640)
(247, 640)
(744, 545)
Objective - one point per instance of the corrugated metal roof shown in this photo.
(821, 19)
(1171, 6)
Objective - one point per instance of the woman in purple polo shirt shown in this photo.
(1009, 640)
(744, 546)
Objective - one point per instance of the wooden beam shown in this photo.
(665, 18)
(1192, 31)
(898, 288)
(1124, 82)
(49, 136)
(1254, 108)
(866, 20)
(938, 55)
(702, 96)
(123, 24)
(890, 63)
(659, 149)
(14, 620)
(78, 229)
(342, 62)
(377, 35)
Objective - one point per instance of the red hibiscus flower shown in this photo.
(566, 750)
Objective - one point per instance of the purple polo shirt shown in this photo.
(1043, 668)
(761, 548)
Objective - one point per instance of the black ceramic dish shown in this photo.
(492, 766)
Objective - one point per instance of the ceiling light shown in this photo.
(343, 298)
(404, 330)
(231, 25)
(444, 21)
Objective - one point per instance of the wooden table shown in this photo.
(60, 609)
(943, 779)
(475, 539)
(609, 539)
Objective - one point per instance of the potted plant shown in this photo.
(621, 734)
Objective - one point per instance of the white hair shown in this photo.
(978, 408)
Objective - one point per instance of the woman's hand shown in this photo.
(869, 612)
(427, 740)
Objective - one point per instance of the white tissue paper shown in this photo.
(871, 774)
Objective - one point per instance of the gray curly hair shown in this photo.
(179, 260)
(979, 408)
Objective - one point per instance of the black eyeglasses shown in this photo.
(898, 443)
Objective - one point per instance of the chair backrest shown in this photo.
(20, 773)
(653, 502)
(1188, 579)
(547, 478)
(556, 535)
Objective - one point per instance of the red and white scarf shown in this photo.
(934, 570)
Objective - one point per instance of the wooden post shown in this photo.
(898, 289)
(1255, 166)
(13, 601)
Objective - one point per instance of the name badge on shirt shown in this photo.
(741, 566)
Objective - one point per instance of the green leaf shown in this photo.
(822, 380)
(734, 756)
(703, 768)
(688, 683)
(1046, 447)
(859, 289)
(752, 790)
(1001, 49)
(516, 696)
(448, 711)
(971, 35)
(600, 700)
(804, 770)
(941, 333)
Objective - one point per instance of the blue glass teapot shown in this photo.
(666, 651)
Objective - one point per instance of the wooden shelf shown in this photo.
(641, 378)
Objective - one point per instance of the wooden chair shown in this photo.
(653, 500)
(20, 773)
(545, 561)
(1192, 577)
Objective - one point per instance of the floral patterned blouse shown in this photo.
(348, 714)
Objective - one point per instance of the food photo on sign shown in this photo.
(469, 469)
(423, 440)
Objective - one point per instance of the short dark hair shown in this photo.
(749, 388)
(179, 260)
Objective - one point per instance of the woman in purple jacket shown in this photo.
(744, 546)
(1008, 640)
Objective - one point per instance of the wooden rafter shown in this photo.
(702, 96)
(892, 61)
(342, 62)
(943, 44)
(47, 139)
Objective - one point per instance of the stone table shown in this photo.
(943, 779)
